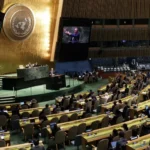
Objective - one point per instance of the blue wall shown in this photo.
(77, 66)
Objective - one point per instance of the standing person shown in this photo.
(121, 143)
(74, 37)
(37, 146)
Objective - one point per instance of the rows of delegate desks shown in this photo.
(88, 121)
(30, 110)
(96, 135)
(139, 144)
(5, 136)
(26, 146)
(86, 137)
(99, 134)
(35, 120)
(109, 105)
(141, 106)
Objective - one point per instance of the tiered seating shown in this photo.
(26, 146)
(103, 133)
(80, 124)
(5, 136)
(139, 144)
(108, 106)
(87, 121)
(35, 120)
(9, 106)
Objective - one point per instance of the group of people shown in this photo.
(121, 81)
(120, 133)
(89, 77)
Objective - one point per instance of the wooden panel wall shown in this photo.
(99, 34)
(112, 9)
(95, 52)
(106, 9)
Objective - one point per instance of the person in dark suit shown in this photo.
(15, 111)
(37, 146)
(126, 90)
(74, 37)
(33, 103)
(63, 99)
(114, 105)
(47, 109)
(118, 114)
(25, 104)
(43, 119)
(72, 99)
(55, 129)
(3, 112)
(125, 127)
(125, 110)
(114, 133)
(121, 143)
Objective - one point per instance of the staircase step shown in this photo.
(5, 102)
(7, 99)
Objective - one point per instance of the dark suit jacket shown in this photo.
(39, 147)
(5, 114)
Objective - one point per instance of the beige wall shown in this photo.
(37, 48)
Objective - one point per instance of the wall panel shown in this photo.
(106, 8)
(37, 48)
(102, 34)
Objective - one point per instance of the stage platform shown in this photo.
(40, 92)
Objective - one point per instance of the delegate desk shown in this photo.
(30, 110)
(81, 102)
(143, 92)
(59, 99)
(139, 144)
(141, 106)
(35, 120)
(103, 88)
(26, 146)
(103, 98)
(88, 121)
(109, 105)
(99, 134)
(5, 136)
(8, 106)
(67, 125)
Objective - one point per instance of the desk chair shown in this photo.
(74, 117)
(81, 128)
(60, 138)
(2, 143)
(105, 122)
(72, 133)
(63, 118)
(35, 113)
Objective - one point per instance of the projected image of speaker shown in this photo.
(74, 35)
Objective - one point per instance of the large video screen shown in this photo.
(72, 34)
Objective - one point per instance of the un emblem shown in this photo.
(18, 22)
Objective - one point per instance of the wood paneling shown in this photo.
(103, 34)
(112, 9)
(37, 48)
(95, 52)
(106, 9)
